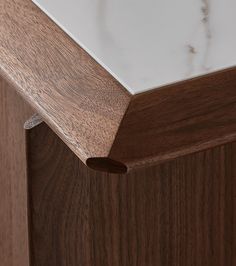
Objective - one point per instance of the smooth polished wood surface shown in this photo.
(106, 127)
(14, 248)
(178, 213)
(181, 213)
(176, 121)
(82, 102)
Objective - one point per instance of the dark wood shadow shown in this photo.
(180, 213)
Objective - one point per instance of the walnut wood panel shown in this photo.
(81, 101)
(106, 127)
(13, 179)
(177, 120)
(180, 213)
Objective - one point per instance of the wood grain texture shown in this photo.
(33, 121)
(14, 248)
(181, 213)
(177, 120)
(106, 127)
(75, 95)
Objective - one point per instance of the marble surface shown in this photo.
(147, 44)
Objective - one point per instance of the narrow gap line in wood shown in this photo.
(107, 165)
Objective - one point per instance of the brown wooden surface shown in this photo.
(181, 213)
(106, 127)
(13, 179)
(163, 124)
(75, 95)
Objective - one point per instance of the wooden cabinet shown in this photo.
(93, 175)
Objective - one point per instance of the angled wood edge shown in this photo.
(105, 126)
(73, 94)
(33, 121)
(174, 121)
(177, 120)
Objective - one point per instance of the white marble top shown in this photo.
(147, 44)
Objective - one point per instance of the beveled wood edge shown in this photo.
(33, 121)
(177, 120)
(102, 123)
(72, 93)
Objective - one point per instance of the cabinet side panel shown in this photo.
(13, 178)
(180, 213)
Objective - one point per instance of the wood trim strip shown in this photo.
(103, 124)
(33, 121)
(77, 98)
(178, 120)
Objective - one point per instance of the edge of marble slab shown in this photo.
(128, 88)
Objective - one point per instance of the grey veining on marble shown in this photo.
(148, 44)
